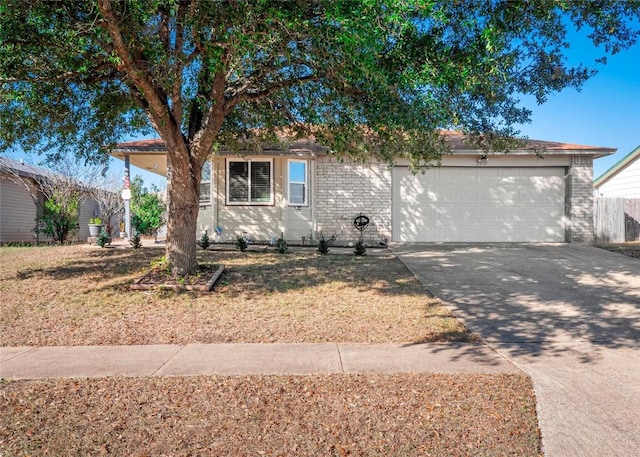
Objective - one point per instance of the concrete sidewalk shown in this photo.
(248, 359)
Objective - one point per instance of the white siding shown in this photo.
(624, 184)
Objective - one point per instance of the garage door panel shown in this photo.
(479, 204)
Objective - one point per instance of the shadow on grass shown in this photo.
(249, 272)
(105, 263)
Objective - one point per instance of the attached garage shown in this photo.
(541, 192)
(479, 204)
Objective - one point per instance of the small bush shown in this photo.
(135, 241)
(103, 238)
(205, 241)
(281, 244)
(323, 245)
(241, 243)
(360, 249)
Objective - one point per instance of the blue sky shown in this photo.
(605, 113)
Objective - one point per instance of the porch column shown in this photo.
(127, 206)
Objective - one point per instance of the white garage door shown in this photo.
(479, 204)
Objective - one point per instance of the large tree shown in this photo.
(364, 77)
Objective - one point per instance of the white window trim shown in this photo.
(208, 202)
(305, 183)
(250, 203)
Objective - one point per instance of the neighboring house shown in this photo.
(18, 211)
(622, 179)
(302, 191)
(617, 193)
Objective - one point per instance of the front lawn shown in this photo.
(75, 295)
(337, 415)
(79, 296)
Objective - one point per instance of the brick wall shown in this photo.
(581, 201)
(346, 189)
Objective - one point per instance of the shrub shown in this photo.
(59, 217)
(241, 243)
(205, 241)
(323, 245)
(282, 244)
(103, 238)
(360, 249)
(95, 221)
(135, 241)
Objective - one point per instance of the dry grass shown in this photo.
(76, 295)
(339, 415)
(631, 248)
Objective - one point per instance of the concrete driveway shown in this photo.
(568, 315)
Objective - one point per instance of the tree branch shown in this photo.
(258, 95)
(156, 100)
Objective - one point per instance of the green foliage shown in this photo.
(281, 244)
(395, 67)
(241, 243)
(95, 221)
(135, 241)
(59, 217)
(323, 245)
(359, 248)
(147, 208)
(103, 238)
(205, 241)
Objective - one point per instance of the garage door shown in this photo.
(479, 204)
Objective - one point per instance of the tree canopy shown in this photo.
(364, 77)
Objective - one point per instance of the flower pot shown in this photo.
(95, 229)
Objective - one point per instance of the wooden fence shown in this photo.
(616, 220)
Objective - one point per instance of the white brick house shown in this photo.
(472, 197)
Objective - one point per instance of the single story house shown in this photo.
(617, 201)
(18, 211)
(622, 179)
(303, 191)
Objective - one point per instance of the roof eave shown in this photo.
(617, 167)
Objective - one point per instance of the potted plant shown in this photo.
(95, 226)
(122, 232)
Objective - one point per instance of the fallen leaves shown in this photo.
(408, 414)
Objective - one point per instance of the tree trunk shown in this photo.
(183, 188)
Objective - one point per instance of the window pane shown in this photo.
(296, 171)
(205, 192)
(296, 194)
(261, 182)
(238, 181)
(206, 171)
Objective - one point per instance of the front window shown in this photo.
(205, 183)
(250, 182)
(298, 189)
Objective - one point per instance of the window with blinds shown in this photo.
(250, 182)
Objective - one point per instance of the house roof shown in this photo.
(22, 169)
(617, 167)
(151, 154)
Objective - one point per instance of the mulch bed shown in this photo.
(631, 249)
(159, 278)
